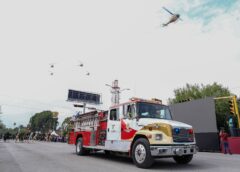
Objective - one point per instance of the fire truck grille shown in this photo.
(182, 135)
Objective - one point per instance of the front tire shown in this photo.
(80, 150)
(107, 153)
(141, 153)
(185, 159)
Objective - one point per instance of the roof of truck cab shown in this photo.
(136, 101)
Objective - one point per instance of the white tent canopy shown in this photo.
(54, 133)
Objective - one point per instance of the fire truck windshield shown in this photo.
(151, 110)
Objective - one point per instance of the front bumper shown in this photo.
(173, 150)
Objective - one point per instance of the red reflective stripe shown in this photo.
(126, 132)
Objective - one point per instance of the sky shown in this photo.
(114, 39)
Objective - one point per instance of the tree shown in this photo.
(196, 91)
(66, 126)
(43, 121)
(2, 126)
(2, 129)
(9, 132)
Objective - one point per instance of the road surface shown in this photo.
(61, 157)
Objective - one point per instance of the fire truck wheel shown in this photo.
(79, 147)
(107, 153)
(141, 154)
(185, 159)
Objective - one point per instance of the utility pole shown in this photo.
(115, 91)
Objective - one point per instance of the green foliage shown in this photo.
(43, 122)
(23, 133)
(9, 131)
(202, 91)
(67, 125)
(12, 132)
(199, 91)
(2, 126)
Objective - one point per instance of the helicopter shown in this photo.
(80, 64)
(52, 65)
(174, 17)
(51, 73)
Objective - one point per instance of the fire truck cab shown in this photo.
(141, 129)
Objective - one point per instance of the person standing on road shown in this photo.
(17, 138)
(30, 137)
(224, 142)
(4, 137)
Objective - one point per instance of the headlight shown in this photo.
(158, 137)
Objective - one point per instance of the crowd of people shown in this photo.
(41, 137)
(31, 136)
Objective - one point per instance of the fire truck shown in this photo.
(141, 129)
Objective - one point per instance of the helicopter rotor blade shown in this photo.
(167, 10)
(179, 18)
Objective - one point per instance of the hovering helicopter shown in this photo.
(174, 17)
(51, 73)
(80, 64)
(52, 65)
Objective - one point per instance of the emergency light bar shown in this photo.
(153, 100)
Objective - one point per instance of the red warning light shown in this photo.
(190, 131)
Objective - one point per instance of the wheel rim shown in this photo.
(78, 146)
(140, 153)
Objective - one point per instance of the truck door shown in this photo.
(113, 126)
(128, 123)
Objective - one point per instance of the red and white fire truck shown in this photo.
(141, 129)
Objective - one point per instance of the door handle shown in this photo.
(108, 129)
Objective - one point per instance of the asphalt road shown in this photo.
(61, 157)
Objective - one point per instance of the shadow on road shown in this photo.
(165, 164)
(115, 158)
(160, 164)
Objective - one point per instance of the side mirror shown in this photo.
(137, 118)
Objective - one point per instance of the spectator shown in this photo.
(17, 138)
(5, 137)
(30, 137)
(224, 141)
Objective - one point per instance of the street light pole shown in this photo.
(115, 91)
